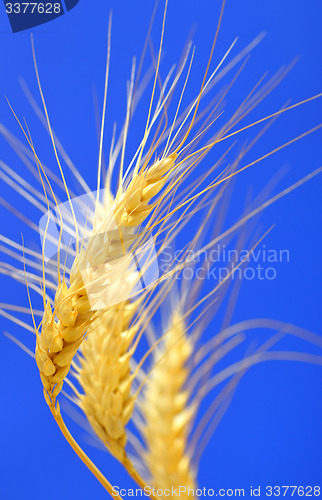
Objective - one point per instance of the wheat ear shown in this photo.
(167, 412)
(63, 330)
(105, 378)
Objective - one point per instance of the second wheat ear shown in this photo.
(167, 411)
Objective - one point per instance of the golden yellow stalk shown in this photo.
(62, 333)
(97, 268)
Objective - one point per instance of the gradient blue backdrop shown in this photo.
(272, 431)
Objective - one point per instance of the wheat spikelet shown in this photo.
(133, 205)
(167, 411)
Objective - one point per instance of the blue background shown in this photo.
(271, 433)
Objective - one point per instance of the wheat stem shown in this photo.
(80, 452)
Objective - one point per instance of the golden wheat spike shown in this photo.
(64, 328)
(104, 376)
(167, 411)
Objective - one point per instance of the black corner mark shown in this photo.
(70, 4)
(24, 15)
